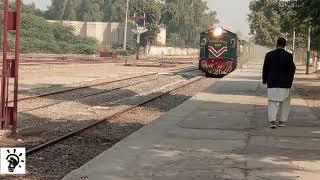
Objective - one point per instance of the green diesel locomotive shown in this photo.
(218, 51)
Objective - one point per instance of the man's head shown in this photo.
(281, 43)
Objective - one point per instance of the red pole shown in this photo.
(4, 65)
(8, 110)
(16, 70)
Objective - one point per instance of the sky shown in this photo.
(231, 13)
(41, 4)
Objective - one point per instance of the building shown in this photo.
(106, 33)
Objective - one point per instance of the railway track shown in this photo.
(72, 152)
(36, 111)
(123, 110)
(174, 71)
(85, 95)
(81, 87)
(139, 80)
(100, 85)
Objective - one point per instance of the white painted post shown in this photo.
(294, 44)
(309, 49)
(126, 28)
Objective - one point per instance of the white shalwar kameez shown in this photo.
(278, 102)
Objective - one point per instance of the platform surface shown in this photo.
(218, 134)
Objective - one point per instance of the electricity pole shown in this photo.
(308, 51)
(126, 28)
(294, 43)
(286, 37)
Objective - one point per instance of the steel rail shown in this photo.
(73, 133)
(93, 94)
(88, 95)
(190, 68)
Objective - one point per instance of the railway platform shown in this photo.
(221, 133)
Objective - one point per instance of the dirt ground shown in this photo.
(45, 70)
(308, 87)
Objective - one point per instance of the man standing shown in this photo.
(278, 74)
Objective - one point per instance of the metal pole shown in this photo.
(16, 68)
(294, 43)
(138, 46)
(308, 51)
(286, 37)
(4, 123)
(126, 28)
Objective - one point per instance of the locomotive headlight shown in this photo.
(218, 31)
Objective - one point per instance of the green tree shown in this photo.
(153, 11)
(192, 17)
(89, 10)
(174, 40)
(56, 10)
(70, 12)
(184, 19)
(38, 35)
(270, 19)
(113, 10)
(265, 21)
(82, 10)
(308, 11)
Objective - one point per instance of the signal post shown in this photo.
(139, 27)
(9, 73)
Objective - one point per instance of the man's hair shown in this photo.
(282, 42)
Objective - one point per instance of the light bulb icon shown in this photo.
(13, 160)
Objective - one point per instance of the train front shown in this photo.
(218, 52)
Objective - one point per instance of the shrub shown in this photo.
(131, 47)
(38, 35)
(174, 40)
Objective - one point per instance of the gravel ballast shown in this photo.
(70, 154)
